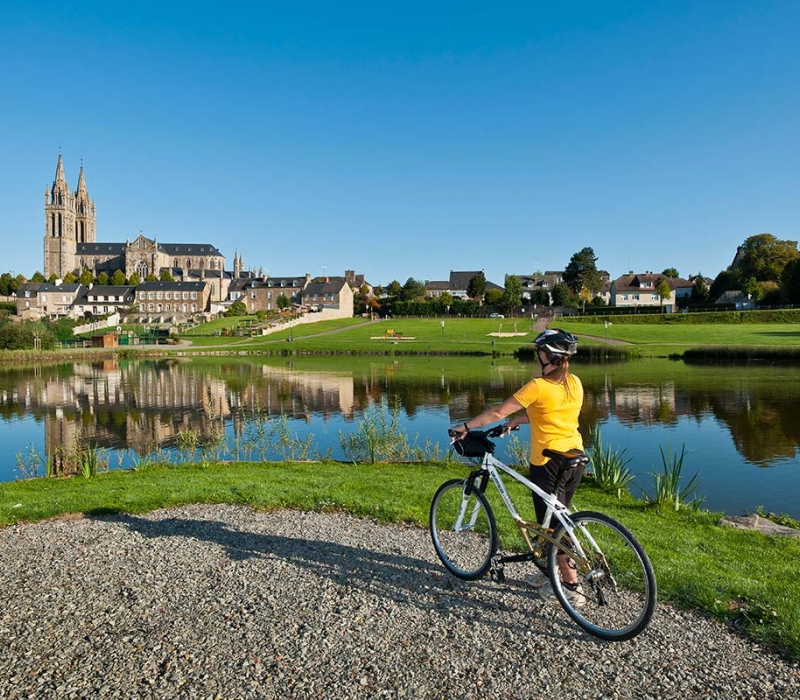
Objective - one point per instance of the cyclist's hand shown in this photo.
(507, 428)
(457, 431)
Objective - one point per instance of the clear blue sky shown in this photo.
(406, 139)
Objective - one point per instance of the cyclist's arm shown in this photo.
(492, 415)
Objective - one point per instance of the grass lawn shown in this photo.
(500, 336)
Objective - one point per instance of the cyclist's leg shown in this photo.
(546, 478)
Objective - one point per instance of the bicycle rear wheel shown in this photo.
(616, 578)
(463, 530)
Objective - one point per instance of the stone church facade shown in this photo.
(70, 245)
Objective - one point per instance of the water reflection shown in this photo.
(140, 406)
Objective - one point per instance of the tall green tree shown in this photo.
(671, 272)
(582, 272)
(562, 295)
(166, 275)
(764, 257)
(86, 278)
(700, 290)
(283, 301)
(476, 288)
(102, 278)
(394, 289)
(413, 290)
(70, 278)
(135, 279)
(38, 277)
(118, 278)
(513, 292)
(790, 281)
(663, 290)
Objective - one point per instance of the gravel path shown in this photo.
(226, 602)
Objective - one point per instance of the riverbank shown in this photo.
(224, 601)
(745, 579)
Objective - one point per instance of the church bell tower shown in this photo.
(69, 219)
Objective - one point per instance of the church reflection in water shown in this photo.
(143, 405)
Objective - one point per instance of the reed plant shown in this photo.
(379, 437)
(667, 489)
(609, 466)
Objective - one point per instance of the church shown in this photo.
(70, 245)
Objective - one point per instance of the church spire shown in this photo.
(60, 172)
(81, 180)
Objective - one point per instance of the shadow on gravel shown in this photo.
(403, 579)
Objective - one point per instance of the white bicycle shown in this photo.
(614, 572)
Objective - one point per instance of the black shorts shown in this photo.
(545, 478)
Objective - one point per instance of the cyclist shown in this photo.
(551, 406)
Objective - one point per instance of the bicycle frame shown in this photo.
(492, 467)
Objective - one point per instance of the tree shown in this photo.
(70, 278)
(166, 276)
(513, 292)
(283, 301)
(724, 282)
(150, 278)
(38, 277)
(86, 278)
(700, 291)
(477, 287)
(495, 297)
(790, 281)
(135, 279)
(52, 279)
(582, 272)
(394, 289)
(413, 290)
(6, 281)
(237, 308)
(763, 256)
(540, 297)
(102, 278)
(663, 290)
(562, 296)
(752, 288)
(118, 278)
(671, 272)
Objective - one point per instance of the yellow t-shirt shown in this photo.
(553, 415)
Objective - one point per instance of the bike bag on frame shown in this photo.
(473, 444)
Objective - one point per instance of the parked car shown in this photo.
(496, 315)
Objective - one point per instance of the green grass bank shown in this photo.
(746, 579)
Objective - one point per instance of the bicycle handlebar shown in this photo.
(493, 432)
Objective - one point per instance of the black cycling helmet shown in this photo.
(556, 342)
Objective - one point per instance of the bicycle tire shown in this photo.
(464, 531)
(618, 586)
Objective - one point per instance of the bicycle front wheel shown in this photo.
(463, 530)
(617, 588)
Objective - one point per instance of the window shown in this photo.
(185, 296)
(159, 296)
(142, 296)
(44, 298)
(194, 295)
(634, 297)
(168, 296)
(150, 296)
